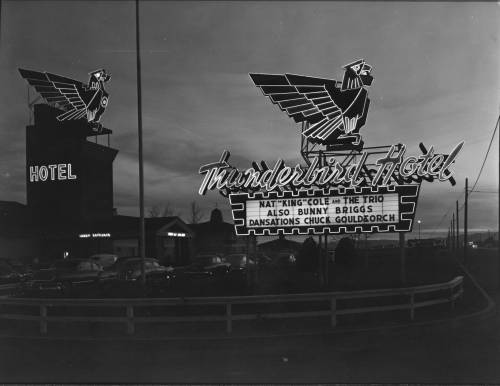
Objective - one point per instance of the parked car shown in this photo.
(205, 266)
(239, 261)
(284, 259)
(262, 259)
(104, 259)
(65, 277)
(8, 275)
(128, 272)
(23, 269)
(130, 269)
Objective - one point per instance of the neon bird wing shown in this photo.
(67, 94)
(305, 99)
(76, 94)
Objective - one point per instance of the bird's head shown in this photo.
(357, 74)
(98, 77)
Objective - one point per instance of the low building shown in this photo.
(218, 237)
(280, 245)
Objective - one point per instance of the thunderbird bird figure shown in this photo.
(75, 98)
(335, 111)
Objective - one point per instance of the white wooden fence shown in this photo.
(441, 293)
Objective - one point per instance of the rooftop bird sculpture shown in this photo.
(335, 111)
(75, 98)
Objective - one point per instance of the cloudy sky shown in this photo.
(436, 69)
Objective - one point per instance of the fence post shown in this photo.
(412, 305)
(43, 319)
(452, 299)
(130, 320)
(333, 309)
(229, 322)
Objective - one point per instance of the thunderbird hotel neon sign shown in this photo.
(394, 166)
(328, 196)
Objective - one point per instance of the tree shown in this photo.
(167, 210)
(154, 211)
(345, 253)
(196, 213)
(307, 260)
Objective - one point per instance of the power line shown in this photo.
(486, 155)
(475, 183)
(486, 191)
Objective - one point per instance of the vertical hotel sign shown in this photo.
(327, 195)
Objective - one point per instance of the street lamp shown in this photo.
(419, 222)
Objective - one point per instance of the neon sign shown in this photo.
(393, 167)
(327, 195)
(335, 110)
(76, 99)
(94, 235)
(54, 172)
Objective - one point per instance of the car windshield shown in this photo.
(206, 260)
(236, 259)
(130, 264)
(67, 264)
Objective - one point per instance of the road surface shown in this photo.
(461, 352)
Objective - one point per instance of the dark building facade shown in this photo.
(69, 182)
(68, 178)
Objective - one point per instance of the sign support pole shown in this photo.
(327, 260)
(466, 218)
(142, 246)
(453, 233)
(458, 232)
(320, 262)
(402, 254)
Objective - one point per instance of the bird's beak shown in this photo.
(367, 79)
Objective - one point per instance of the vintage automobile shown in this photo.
(9, 275)
(205, 266)
(65, 277)
(284, 259)
(125, 276)
(239, 262)
(104, 259)
(130, 270)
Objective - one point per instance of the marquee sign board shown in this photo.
(339, 210)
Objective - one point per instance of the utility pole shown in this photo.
(453, 232)
(465, 218)
(458, 231)
(402, 255)
(327, 261)
(142, 241)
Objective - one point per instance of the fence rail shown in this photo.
(8, 289)
(450, 292)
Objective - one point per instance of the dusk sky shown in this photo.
(436, 69)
